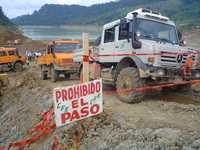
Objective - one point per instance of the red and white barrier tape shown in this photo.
(45, 127)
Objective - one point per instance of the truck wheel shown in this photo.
(18, 67)
(127, 80)
(44, 75)
(67, 76)
(54, 75)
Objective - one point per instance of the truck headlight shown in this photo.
(160, 72)
(197, 75)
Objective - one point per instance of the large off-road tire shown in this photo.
(128, 80)
(18, 67)
(54, 75)
(44, 73)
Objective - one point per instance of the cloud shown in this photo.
(15, 8)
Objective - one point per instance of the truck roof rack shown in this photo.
(149, 13)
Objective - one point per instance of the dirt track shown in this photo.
(167, 121)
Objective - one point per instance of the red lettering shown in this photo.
(92, 88)
(81, 91)
(58, 95)
(98, 87)
(89, 89)
(65, 117)
(70, 93)
(84, 112)
(74, 104)
(84, 90)
(64, 95)
(83, 103)
(76, 92)
(95, 109)
(75, 115)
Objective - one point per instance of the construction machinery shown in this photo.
(10, 58)
(58, 59)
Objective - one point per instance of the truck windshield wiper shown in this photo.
(146, 36)
(163, 40)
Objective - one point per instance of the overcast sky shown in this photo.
(13, 8)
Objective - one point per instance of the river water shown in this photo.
(60, 32)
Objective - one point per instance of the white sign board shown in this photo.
(77, 102)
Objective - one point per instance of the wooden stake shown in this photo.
(85, 57)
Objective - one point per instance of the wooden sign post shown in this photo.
(85, 57)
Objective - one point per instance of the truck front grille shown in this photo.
(171, 59)
(66, 61)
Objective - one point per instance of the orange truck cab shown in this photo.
(58, 59)
(10, 57)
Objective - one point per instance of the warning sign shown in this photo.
(77, 102)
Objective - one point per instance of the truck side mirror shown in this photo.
(49, 49)
(98, 41)
(180, 36)
(181, 41)
(136, 44)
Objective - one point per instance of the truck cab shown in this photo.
(149, 39)
(58, 59)
(10, 58)
(143, 48)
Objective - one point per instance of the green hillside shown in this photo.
(8, 30)
(182, 11)
(3, 19)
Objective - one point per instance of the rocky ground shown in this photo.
(163, 121)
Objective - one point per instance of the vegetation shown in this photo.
(3, 19)
(182, 11)
(8, 30)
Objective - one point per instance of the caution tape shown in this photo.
(42, 129)
(55, 143)
(151, 88)
(47, 124)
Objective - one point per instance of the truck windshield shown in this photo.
(62, 48)
(156, 31)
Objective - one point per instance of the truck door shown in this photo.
(12, 56)
(123, 45)
(107, 46)
(3, 57)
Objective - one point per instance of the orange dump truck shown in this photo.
(9, 57)
(58, 59)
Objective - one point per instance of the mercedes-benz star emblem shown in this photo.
(179, 58)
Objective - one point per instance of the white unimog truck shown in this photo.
(144, 48)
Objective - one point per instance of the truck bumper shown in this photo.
(168, 73)
(69, 68)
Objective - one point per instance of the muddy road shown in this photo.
(161, 121)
